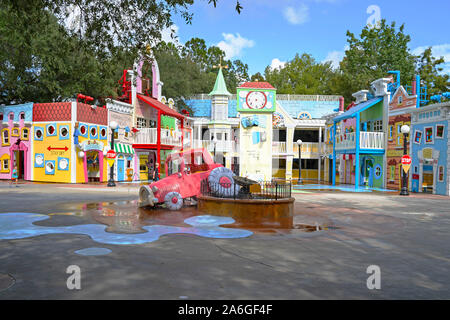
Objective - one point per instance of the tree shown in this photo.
(257, 77)
(376, 51)
(430, 72)
(43, 63)
(301, 75)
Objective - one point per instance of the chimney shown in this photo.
(360, 96)
(380, 87)
(341, 104)
(414, 86)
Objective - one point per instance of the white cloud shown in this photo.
(170, 34)
(335, 57)
(234, 44)
(277, 64)
(298, 15)
(440, 50)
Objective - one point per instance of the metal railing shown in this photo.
(267, 190)
(367, 140)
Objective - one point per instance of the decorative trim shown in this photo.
(42, 133)
(93, 136)
(61, 161)
(61, 137)
(50, 167)
(55, 132)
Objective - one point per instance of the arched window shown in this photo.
(304, 115)
(22, 116)
(11, 116)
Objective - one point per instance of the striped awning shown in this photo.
(123, 148)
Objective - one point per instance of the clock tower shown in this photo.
(256, 101)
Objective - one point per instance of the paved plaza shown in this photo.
(406, 237)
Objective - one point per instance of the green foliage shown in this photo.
(369, 57)
(301, 75)
(430, 73)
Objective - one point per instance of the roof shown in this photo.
(220, 87)
(432, 106)
(357, 109)
(257, 85)
(160, 106)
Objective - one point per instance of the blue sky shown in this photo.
(270, 32)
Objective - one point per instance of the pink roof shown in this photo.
(160, 106)
(257, 85)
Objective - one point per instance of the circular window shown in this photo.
(63, 164)
(83, 130)
(64, 132)
(103, 132)
(39, 159)
(49, 167)
(51, 130)
(378, 171)
(38, 133)
(93, 131)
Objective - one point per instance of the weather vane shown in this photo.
(220, 66)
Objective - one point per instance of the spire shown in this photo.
(220, 88)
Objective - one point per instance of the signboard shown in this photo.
(88, 145)
(406, 163)
(111, 157)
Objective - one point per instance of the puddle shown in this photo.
(93, 251)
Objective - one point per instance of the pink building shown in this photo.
(15, 144)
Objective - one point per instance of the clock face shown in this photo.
(256, 100)
(39, 160)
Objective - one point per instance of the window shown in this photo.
(116, 134)
(25, 133)
(378, 126)
(50, 167)
(22, 116)
(5, 165)
(83, 130)
(64, 132)
(391, 132)
(15, 132)
(5, 136)
(51, 130)
(429, 135)
(1, 116)
(439, 131)
(417, 136)
(391, 173)
(128, 164)
(441, 174)
(400, 100)
(141, 123)
(38, 133)
(103, 132)
(11, 116)
(93, 132)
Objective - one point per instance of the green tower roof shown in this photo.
(220, 87)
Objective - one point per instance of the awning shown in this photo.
(123, 148)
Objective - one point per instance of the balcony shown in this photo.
(367, 141)
(278, 147)
(309, 149)
(221, 145)
(150, 136)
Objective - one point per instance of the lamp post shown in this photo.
(299, 143)
(405, 130)
(113, 125)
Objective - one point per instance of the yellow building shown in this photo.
(69, 143)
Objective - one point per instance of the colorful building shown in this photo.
(16, 140)
(69, 142)
(126, 160)
(360, 135)
(430, 149)
(219, 119)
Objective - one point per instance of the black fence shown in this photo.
(269, 190)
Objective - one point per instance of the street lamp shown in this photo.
(299, 143)
(405, 130)
(113, 125)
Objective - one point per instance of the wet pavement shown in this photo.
(334, 237)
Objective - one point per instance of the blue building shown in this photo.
(430, 149)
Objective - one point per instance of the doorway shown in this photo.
(19, 160)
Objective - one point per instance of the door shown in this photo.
(120, 168)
